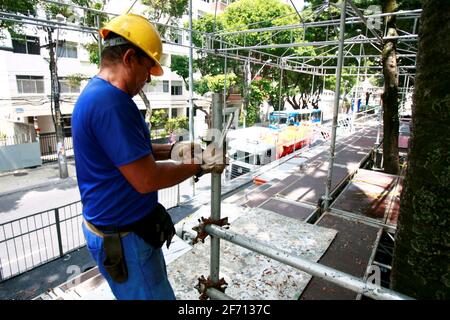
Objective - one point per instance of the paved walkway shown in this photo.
(27, 179)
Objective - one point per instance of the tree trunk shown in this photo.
(288, 99)
(390, 95)
(296, 103)
(421, 266)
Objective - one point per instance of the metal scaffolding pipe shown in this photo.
(100, 47)
(319, 43)
(334, 22)
(216, 187)
(80, 7)
(363, 19)
(410, 55)
(56, 24)
(337, 94)
(75, 27)
(113, 14)
(191, 87)
(316, 269)
(50, 24)
(191, 77)
(215, 294)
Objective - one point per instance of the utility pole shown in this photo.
(62, 161)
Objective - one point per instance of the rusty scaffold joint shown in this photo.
(200, 229)
(204, 284)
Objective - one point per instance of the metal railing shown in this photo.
(17, 139)
(48, 144)
(31, 241)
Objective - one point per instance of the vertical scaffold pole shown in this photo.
(191, 86)
(336, 105)
(216, 187)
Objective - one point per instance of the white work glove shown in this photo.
(214, 160)
(187, 152)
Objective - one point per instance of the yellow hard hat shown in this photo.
(140, 32)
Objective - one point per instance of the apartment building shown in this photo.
(25, 87)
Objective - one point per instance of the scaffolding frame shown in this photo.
(313, 65)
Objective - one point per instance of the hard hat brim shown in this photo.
(156, 70)
(120, 25)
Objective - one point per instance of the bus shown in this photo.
(281, 119)
(250, 148)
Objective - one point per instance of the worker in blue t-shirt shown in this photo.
(119, 171)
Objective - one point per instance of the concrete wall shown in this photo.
(20, 156)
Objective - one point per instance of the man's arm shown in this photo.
(161, 151)
(147, 175)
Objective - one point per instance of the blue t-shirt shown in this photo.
(109, 131)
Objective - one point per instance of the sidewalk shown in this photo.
(27, 179)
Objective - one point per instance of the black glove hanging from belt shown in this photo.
(114, 262)
(156, 228)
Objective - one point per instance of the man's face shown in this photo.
(141, 73)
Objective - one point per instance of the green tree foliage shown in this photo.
(206, 63)
(215, 83)
(180, 65)
(166, 12)
(174, 124)
(250, 14)
(158, 119)
(84, 18)
(25, 7)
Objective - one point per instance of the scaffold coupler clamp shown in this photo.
(321, 201)
(200, 229)
(204, 284)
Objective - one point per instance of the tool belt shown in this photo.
(155, 229)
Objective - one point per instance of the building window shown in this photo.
(30, 84)
(153, 86)
(177, 88)
(65, 86)
(166, 86)
(157, 87)
(67, 126)
(67, 49)
(30, 45)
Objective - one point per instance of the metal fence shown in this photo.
(29, 242)
(48, 143)
(17, 139)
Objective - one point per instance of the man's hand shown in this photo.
(214, 160)
(187, 152)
